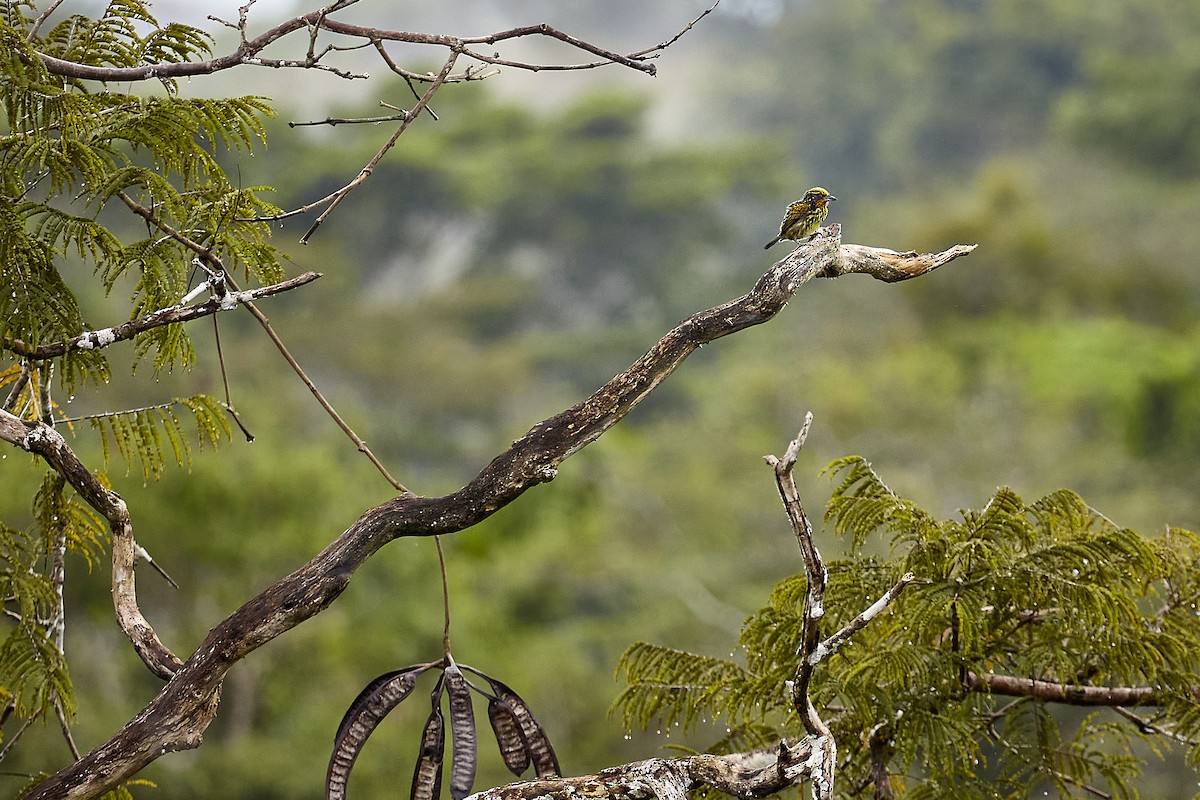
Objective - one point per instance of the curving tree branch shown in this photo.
(43, 440)
(177, 717)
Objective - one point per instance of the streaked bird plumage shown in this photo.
(804, 217)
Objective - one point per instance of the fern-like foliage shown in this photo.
(33, 670)
(155, 435)
(76, 155)
(67, 152)
(1048, 590)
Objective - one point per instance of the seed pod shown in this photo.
(462, 725)
(427, 776)
(537, 744)
(372, 705)
(508, 735)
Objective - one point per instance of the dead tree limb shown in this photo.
(755, 774)
(176, 718)
(822, 760)
(181, 312)
(249, 50)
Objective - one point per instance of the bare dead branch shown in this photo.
(823, 760)
(248, 53)
(1062, 692)
(337, 197)
(824, 754)
(889, 265)
(248, 50)
(176, 718)
(754, 774)
(89, 340)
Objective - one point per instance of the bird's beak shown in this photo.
(831, 197)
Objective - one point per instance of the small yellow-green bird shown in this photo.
(804, 216)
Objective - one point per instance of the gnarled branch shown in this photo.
(177, 717)
(754, 774)
(43, 440)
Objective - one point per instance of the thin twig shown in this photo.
(316, 393)
(41, 20)
(437, 540)
(65, 727)
(664, 45)
(207, 256)
(10, 741)
(1146, 726)
(340, 195)
(860, 621)
(225, 382)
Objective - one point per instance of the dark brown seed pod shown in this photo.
(372, 705)
(427, 776)
(545, 762)
(462, 725)
(508, 735)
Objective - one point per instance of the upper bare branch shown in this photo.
(248, 51)
(89, 340)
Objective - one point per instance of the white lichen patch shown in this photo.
(92, 339)
(234, 299)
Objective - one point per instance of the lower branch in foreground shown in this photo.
(754, 774)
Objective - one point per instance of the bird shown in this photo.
(804, 217)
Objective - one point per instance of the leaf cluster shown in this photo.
(1049, 590)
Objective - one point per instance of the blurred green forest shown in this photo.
(508, 258)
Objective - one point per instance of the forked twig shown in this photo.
(822, 762)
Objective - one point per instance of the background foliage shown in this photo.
(515, 254)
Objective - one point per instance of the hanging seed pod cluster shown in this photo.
(519, 735)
